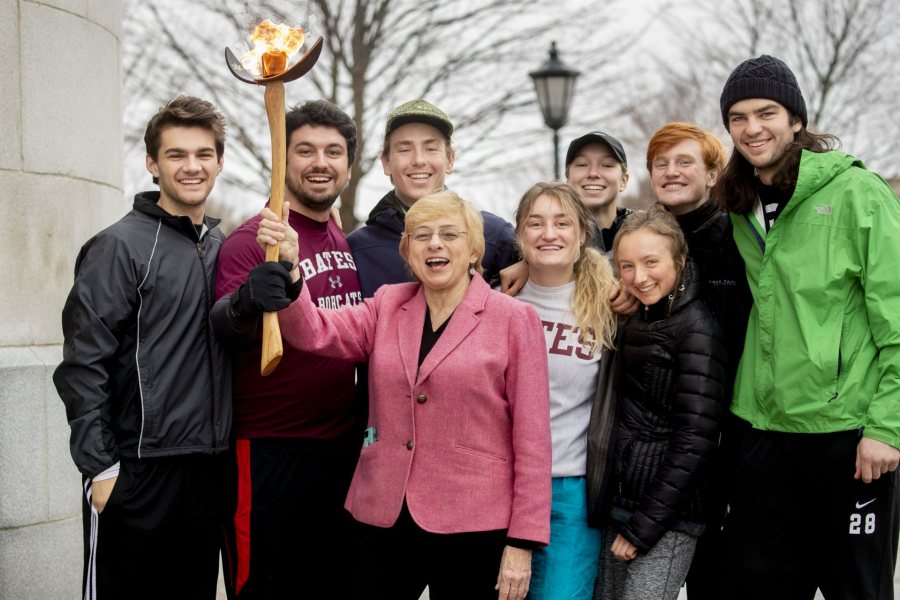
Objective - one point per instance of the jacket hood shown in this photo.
(819, 168)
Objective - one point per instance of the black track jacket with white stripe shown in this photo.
(142, 373)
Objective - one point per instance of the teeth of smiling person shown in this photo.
(648, 288)
(419, 176)
(549, 247)
(190, 181)
(436, 261)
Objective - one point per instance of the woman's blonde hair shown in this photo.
(594, 280)
(439, 205)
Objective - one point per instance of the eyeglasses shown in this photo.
(423, 236)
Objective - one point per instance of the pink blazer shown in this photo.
(466, 438)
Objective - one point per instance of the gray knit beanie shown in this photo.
(763, 77)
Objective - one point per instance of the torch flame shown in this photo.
(273, 47)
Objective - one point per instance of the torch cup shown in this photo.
(272, 348)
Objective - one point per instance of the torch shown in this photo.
(267, 65)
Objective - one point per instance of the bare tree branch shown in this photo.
(469, 57)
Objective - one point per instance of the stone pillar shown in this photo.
(60, 182)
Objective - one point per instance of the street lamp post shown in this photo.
(554, 83)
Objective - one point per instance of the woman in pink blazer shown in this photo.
(453, 482)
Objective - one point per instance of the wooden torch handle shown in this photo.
(271, 342)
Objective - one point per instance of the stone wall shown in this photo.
(60, 182)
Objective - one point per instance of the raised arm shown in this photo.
(243, 285)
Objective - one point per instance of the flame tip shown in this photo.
(274, 45)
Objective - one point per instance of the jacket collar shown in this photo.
(695, 219)
(148, 203)
(603, 238)
(464, 319)
(389, 213)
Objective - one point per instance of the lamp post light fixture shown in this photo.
(554, 83)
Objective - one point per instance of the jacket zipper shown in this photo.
(837, 379)
(209, 350)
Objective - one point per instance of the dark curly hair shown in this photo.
(326, 114)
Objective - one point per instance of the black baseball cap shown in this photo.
(596, 137)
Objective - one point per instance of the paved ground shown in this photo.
(682, 596)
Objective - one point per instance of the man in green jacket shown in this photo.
(816, 502)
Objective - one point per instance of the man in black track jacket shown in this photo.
(145, 384)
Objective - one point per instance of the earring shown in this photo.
(472, 269)
(680, 289)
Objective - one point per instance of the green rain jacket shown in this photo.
(822, 352)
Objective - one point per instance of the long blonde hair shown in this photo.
(594, 280)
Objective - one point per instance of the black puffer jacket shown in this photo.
(709, 235)
(671, 401)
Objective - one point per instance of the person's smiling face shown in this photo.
(187, 166)
(597, 175)
(681, 182)
(417, 158)
(439, 253)
(647, 265)
(317, 167)
(761, 130)
(551, 241)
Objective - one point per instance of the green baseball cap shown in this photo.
(418, 111)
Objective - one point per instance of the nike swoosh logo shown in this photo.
(864, 504)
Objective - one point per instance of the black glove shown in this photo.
(292, 289)
(268, 289)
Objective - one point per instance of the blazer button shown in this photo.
(421, 399)
(409, 445)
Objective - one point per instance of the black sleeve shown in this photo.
(501, 247)
(98, 309)
(233, 330)
(524, 544)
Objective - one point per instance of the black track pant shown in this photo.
(706, 579)
(799, 521)
(160, 532)
(288, 534)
